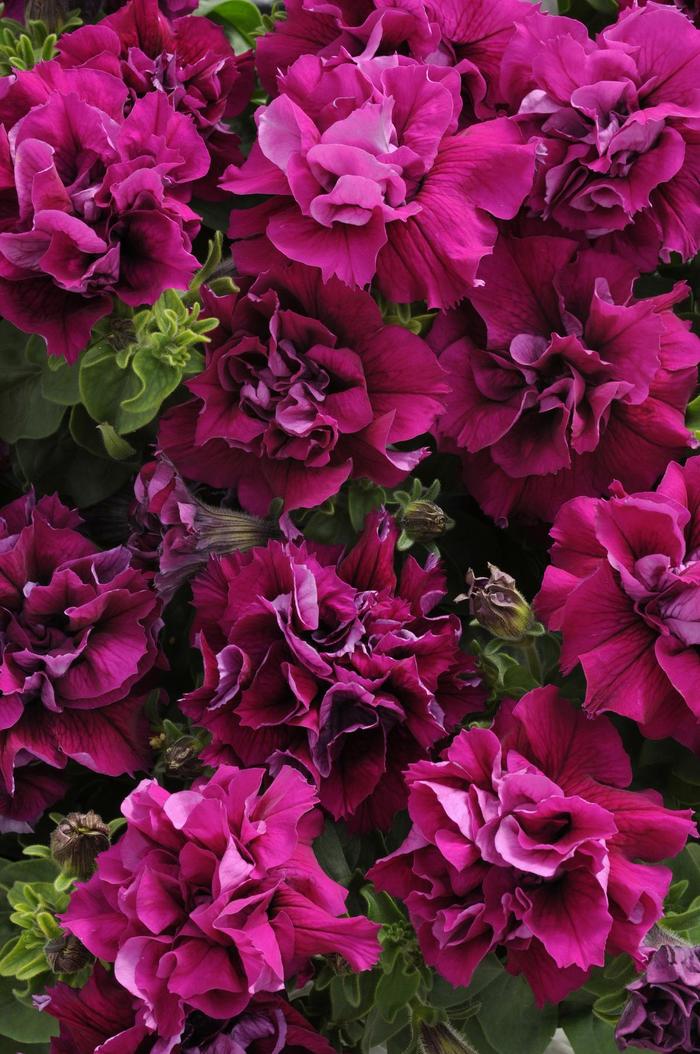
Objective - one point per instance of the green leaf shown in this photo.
(589, 1035)
(105, 386)
(59, 382)
(34, 870)
(330, 855)
(22, 1023)
(396, 990)
(158, 380)
(25, 412)
(58, 464)
(525, 1028)
(241, 15)
(115, 445)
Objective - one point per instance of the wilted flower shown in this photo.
(526, 837)
(498, 605)
(78, 634)
(560, 379)
(213, 895)
(423, 521)
(304, 387)
(175, 532)
(623, 589)
(370, 178)
(77, 841)
(334, 661)
(663, 1012)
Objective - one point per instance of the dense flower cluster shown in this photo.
(624, 589)
(560, 380)
(213, 896)
(322, 313)
(78, 634)
(526, 837)
(335, 664)
(304, 387)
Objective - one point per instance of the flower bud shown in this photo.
(423, 520)
(498, 605)
(65, 954)
(77, 841)
(441, 1039)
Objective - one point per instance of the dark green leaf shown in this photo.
(589, 1035)
(25, 413)
(396, 990)
(330, 855)
(22, 1023)
(525, 1028)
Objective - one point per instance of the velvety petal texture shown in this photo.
(304, 388)
(624, 590)
(617, 122)
(526, 837)
(78, 635)
(560, 379)
(371, 178)
(213, 896)
(333, 661)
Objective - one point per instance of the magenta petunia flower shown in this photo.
(472, 37)
(78, 631)
(624, 589)
(562, 381)
(369, 178)
(331, 662)
(617, 121)
(304, 387)
(526, 837)
(92, 202)
(691, 8)
(189, 60)
(103, 1018)
(213, 896)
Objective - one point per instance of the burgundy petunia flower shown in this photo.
(103, 1018)
(563, 381)
(624, 589)
(663, 1011)
(331, 662)
(617, 122)
(214, 896)
(304, 387)
(369, 178)
(189, 60)
(78, 631)
(92, 202)
(525, 837)
(470, 36)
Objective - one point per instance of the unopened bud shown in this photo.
(441, 1039)
(498, 605)
(77, 841)
(423, 520)
(65, 954)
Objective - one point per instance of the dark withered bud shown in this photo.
(65, 954)
(423, 520)
(77, 841)
(441, 1039)
(498, 605)
(181, 758)
(51, 12)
